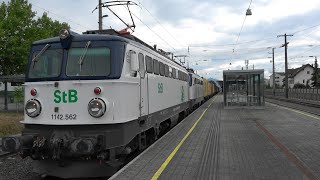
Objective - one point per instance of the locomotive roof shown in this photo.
(84, 37)
(103, 35)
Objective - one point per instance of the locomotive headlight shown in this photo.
(33, 108)
(96, 107)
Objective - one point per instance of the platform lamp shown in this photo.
(248, 12)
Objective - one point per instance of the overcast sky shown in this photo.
(210, 29)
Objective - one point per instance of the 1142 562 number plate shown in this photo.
(64, 116)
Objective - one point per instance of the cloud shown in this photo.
(209, 28)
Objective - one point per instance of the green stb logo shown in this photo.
(66, 97)
(160, 88)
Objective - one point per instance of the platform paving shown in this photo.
(270, 143)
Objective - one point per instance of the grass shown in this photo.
(9, 123)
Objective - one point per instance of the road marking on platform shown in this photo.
(297, 111)
(292, 157)
(169, 158)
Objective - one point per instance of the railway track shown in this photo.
(5, 154)
(297, 105)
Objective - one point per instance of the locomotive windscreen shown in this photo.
(46, 64)
(92, 62)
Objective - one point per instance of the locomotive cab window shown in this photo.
(47, 64)
(93, 62)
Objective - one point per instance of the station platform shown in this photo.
(217, 143)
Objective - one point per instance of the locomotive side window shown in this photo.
(156, 68)
(166, 70)
(161, 69)
(174, 73)
(48, 64)
(141, 65)
(179, 75)
(95, 62)
(149, 64)
(170, 72)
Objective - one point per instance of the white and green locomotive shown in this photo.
(93, 99)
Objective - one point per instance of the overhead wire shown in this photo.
(160, 24)
(242, 24)
(67, 19)
(311, 27)
(151, 30)
(240, 31)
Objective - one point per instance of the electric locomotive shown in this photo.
(93, 99)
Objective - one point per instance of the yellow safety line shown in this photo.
(300, 112)
(167, 161)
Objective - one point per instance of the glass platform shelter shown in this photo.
(243, 89)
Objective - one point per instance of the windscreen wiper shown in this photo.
(81, 59)
(35, 59)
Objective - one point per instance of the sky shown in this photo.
(215, 35)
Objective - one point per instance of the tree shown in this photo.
(315, 75)
(45, 27)
(18, 29)
(16, 20)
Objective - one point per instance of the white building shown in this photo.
(11, 86)
(301, 75)
(279, 76)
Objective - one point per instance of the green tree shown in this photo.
(45, 27)
(16, 20)
(315, 75)
(18, 29)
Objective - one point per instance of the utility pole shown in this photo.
(100, 15)
(286, 63)
(273, 77)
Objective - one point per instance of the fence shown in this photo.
(14, 104)
(307, 94)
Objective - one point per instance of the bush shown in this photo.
(299, 86)
(18, 94)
